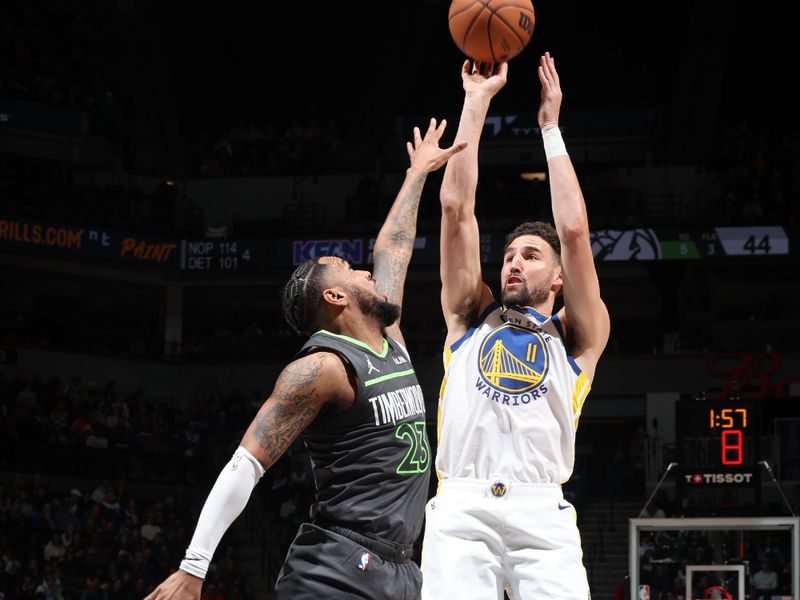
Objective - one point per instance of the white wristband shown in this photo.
(224, 503)
(553, 143)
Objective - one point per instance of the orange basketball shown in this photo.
(491, 31)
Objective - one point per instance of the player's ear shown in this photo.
(558, 279)
(335, 296)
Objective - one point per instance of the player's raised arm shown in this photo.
(301, 390)
(584, 314)
(395, 242)
(463, 290)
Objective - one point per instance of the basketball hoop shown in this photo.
(717, 591)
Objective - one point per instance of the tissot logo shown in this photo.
(716, 478)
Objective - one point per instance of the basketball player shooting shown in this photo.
(371, 463)
(516, 377)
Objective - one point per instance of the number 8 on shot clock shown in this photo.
(718, 448)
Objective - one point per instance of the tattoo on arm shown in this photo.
(398, 233)
(402, 222)
(407, 206)
(390, 271)
(294, 404)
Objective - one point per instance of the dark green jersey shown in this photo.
(372, 463)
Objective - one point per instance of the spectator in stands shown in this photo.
(55, 549)
(80, 428)
(110, 504)
(99, 492)
(765, 581)
(50, 587)
(27, 587)
(772, 549)
(58, 424)
(150, 527)
(92, 590)
(97, 437)
(26, 398)
(10, 565)
(43, 518)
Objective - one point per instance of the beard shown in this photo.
(524, 296)
(377, 308)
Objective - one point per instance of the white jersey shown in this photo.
(510, 400)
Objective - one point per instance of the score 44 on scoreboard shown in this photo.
(718, 442)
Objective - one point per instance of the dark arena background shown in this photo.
(165, 165)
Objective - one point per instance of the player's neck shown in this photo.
(366, 331)
(545, 308)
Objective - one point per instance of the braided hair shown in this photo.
(302, 295)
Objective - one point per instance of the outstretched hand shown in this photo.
(425, 154)
(551, 92)
(178, 586)
(483, 78)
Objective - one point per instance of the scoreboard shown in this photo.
(680, 244)
(218, 255)
(727, 241)
(281, 252)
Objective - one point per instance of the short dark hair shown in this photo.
(302, 295)
(540, 229)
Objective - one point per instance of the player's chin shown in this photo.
(510, 295)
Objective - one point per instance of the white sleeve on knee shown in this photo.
(224, 504)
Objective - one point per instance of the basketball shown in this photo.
(491, 31)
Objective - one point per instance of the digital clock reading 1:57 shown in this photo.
(717, 433)
(732, 421)
(727, 418)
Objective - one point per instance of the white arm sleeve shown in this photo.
(224, 504)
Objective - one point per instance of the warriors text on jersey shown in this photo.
(510, 400)
(371, 463)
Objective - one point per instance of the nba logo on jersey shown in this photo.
(514, 359)
(364, 561)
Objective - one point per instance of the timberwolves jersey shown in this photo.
(510, 400)
(371, 463)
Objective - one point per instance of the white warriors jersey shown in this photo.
(510, 400)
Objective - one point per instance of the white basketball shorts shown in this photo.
(484, 537)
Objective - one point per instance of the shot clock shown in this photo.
(718, 449)
(731, 423)
(714, 434)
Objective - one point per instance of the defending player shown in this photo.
(353, 395)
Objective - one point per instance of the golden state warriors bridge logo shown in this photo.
(513, 363)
